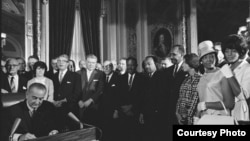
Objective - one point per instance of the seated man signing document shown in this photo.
(35, 115)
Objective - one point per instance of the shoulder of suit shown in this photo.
(19, 105)
(47, 104)
(22, 78)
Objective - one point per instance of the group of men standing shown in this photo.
(131, 106)
(141, 105)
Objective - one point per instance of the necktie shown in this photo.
(107, 79)
(130, 81)
(32, 113)
(60, 77)
(175, 70)
(12, 85)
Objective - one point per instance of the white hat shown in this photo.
(205, 48)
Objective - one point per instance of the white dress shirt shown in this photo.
(63, 74)
(133, 75)
(89, 74)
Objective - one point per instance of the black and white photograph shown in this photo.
(124, 70)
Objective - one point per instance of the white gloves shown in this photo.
(226, 71)
(201, 106)
(195, 120)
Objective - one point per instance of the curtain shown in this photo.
(77, 51)
(90, 11)
(61, 21)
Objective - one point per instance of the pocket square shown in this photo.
(68, 82)
(113, 85)
(24, 88)
(95, 80)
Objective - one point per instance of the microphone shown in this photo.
(73, 117)
(14, 127)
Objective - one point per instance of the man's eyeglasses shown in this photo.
(63, 61)
(12, 65)
(107, 66)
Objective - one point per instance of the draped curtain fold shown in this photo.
(78, 51)
(90, 11)
(61, 21)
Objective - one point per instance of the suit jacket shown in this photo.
(69, 88)
(132, 96)
(176, 81)
(94, 87)
(156, 106)
(22, 84)
(157, 91)
(109, 99)
(28, 75)
(50, 74)
(40, 124)
(174, 94)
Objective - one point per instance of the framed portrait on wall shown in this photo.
(162, 40)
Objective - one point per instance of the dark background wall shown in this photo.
(219, 18)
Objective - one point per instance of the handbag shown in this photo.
(217, 119)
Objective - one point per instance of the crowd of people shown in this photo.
(128, 105)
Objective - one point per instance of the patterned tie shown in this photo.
(12, 85)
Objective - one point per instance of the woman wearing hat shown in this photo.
(235, 49)
(213, 87)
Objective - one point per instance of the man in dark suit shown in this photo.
(178, 76)
(22, 65)
(37, 116)
(31, 61)
(131, 91)
(67, 89)
(92, 89)
(12, 82)
(155, 110)
(108, 104)
(52, 72)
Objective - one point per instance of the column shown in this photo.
(28, 29)
(38, 28)
(44, 51)
(193, 27)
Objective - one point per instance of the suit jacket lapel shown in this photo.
(111, 79)
(126, 76)
(19, 83)
(84, 77)
(92, 76)
(134, 80)
(7, 84)
(65, 77)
